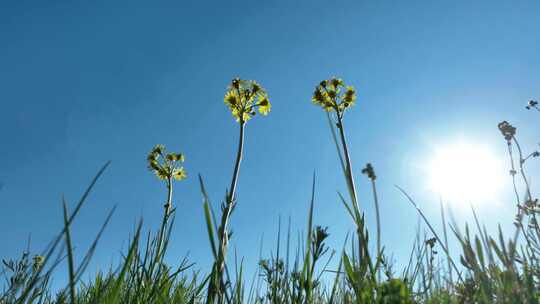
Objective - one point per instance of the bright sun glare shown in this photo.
(466, 173)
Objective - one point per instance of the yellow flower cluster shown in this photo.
(166, 166)
(333, 95)
(243, 96)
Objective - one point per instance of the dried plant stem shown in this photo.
(519, 219)
(527, 188)
(522, 170)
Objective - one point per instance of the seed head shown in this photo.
(369, 171)
(507, 130)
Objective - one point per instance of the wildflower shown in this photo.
(318, 96)
(162, 173)
(243, 97)
(264, 106)
(507, 130)
(158, 149)
(350, 96)
(333, 96)
(368, 170)
(175, 157)
(179, 174)
(166, 166)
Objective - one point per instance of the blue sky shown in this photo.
(83, 83)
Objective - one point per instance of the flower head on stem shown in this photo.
(334, 96)
(167, 167)
(243, 97)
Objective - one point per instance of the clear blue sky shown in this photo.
(86, 82)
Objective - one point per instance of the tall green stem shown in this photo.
(229, 205)
(232, 190)
(443, 218)
(167, 210)
(377, 214)
(231, 198)
(168, 205)
(359, 220)
(348, 162)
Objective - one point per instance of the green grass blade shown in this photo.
(69, 247)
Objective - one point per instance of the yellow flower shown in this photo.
(158, 149)
(255, 88)
(153, 165)
(328, 106)
(318, 96)
(240, 98)
(333, 95)
(231, 99)
(167, 167)
(162, 173)
(175, 157)
(350, 96)
(336, 82)
(179, 173)
(264, 106)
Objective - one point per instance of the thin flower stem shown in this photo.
(519, 219)
(168, 206)
(229, 205)
(232, 191)
(348, 162)
(359, 220)
(377, 214)
(237, 164)
(522, 170)
(166, 214)
(527, 188)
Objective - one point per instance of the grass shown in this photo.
(491, 269)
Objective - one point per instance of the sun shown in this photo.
(466, 173)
